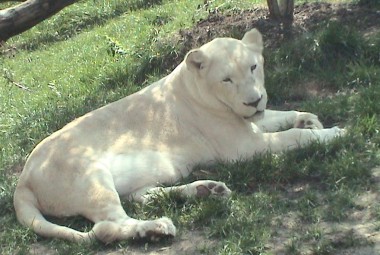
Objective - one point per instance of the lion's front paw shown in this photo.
(338, 132)
(329, 134)
(156, 229)
(308, 121)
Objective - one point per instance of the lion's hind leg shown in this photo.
(112, 222)
(97, 200)
(29, 214)
(201, 188)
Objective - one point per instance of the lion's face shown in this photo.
(230, 73)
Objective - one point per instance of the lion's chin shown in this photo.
(255, 117)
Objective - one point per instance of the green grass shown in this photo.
(92, 54)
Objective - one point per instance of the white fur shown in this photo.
(210, 107)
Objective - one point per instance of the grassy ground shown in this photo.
(310, 201)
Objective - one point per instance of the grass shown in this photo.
(89, 55)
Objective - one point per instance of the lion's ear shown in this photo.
(196, 60)
(254, 40)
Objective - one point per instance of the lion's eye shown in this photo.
(227, 80)
(253, 68)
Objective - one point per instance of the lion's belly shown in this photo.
(144, 168)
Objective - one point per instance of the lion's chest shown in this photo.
(218, 138)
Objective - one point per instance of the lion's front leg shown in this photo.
(274, 121)
(294, 138)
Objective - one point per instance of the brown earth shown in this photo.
(306, 18)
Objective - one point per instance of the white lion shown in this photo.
(212, 106)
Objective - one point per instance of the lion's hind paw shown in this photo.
(156, 229)
(207, 188)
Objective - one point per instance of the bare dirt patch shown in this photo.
(189, 243)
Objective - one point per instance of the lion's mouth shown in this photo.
(257, 114)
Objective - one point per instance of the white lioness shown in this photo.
(212, 106)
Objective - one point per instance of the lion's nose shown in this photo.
(254, 103)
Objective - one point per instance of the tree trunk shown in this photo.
(17, 19)
(274, 10)
(289, 11)
(281, 10)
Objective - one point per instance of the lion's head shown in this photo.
(230, 73)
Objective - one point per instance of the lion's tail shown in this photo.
(28, 214)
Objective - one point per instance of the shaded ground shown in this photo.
(306, 18)
(189, 243)
(361, 226)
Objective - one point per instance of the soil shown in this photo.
(306, 17)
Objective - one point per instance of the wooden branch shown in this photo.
(20, 86)
(17, 19)
(12, 82)
(4, 1)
